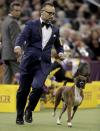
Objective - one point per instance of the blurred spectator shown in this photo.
(25, 5)
(35, 4)
(10, 31)
(94, 43)
(65, 34)
(35, 15)
(71, 12)
(37, 7)
(82, 49)
(25, 16)
(2, 7)
(61, 18)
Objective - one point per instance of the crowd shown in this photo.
(78, 21)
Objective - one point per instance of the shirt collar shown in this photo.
(41, 20)
(10, 14)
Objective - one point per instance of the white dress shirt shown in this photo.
(46, 34)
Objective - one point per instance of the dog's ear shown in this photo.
(75, 79)
(83, 69)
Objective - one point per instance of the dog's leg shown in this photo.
(69, 107)
(74, 110)
(57, 101)
(63, 110)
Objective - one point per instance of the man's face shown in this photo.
(48, 13)
(16, 12)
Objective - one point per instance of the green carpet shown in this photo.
(84, 120)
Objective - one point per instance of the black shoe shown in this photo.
(20, 121)
(28, 116)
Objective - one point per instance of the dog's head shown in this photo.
(80, 81)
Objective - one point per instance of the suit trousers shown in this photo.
(36, 78)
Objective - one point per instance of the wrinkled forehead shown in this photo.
(84, 75)
(81, 77)
(49, 8)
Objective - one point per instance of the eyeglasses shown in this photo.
(50, 13)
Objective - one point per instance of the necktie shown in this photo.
(46, 24)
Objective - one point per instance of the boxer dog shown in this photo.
(73, 96)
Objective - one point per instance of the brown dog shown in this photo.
(71, 96)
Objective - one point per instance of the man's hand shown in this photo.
(61, 56)
(18, 52)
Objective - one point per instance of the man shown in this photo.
(10, 31)
(40, 35)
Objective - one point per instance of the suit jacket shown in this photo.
(10, 31)
(32, 34)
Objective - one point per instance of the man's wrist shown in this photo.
(61, 55)
(17, 47)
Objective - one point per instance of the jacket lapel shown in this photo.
(52, 35)
(39, 27)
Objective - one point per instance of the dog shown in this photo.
(72, 97)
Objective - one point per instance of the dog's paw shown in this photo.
(53, 114)
(69, 124)
(58, 121)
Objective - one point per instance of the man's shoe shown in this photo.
(19, 121)
(28, 116)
